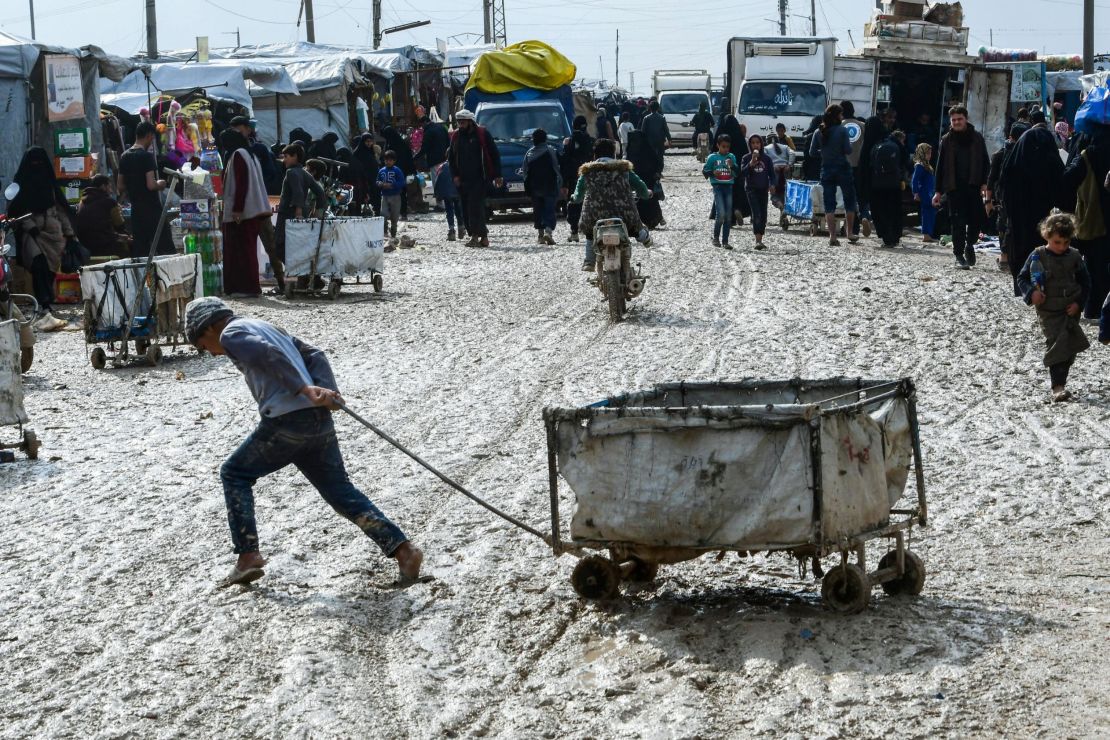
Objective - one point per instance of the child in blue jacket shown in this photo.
(924, 186)
(444, 188)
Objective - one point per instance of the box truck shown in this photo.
(680, 93)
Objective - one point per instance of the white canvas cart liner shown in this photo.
(349, 246)
(177, 278)
(750, 465)
(11, 384)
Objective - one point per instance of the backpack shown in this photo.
(886, 165)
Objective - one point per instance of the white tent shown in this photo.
(221, 79)
(24, 89)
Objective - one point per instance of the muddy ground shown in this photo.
(111, 544)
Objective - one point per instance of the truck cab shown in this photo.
(511, 125)
(680, 94)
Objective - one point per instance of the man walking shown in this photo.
(962, 170)
(474, 161)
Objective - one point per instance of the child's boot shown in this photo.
(451, 235)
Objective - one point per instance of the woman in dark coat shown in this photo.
(1031, 179)
(324, 146)
(1094, 155)
(577, 151)
(645, 165)
(364, 171)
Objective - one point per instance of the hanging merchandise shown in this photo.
(1095, 111)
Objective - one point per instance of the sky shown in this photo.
(654, 34)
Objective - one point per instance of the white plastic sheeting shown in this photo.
(113, 296)
(348, 246)
(221, 79)
(11, 380)
(733, 477)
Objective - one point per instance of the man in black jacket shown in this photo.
(474, 161)
(433, 149)
(962, 170)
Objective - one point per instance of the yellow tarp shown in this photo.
(531, 64)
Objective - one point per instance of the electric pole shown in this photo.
(617, 74)
(377, 24)
(1088, 36)
(151, 31)
(782, 17)
(309, 22)
(813, 15)
(487, 18)
(32, 19)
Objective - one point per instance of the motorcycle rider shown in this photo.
(605, 190)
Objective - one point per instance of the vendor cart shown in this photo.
(122, 309)
(319, 253)
(12, 412)
(810, 468)
(805, 205)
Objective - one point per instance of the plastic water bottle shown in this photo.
(1036, 271)
(190, 244)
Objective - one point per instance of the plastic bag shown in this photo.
(1095, 111)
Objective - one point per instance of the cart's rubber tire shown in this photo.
(153, 355)
(912, 582)
(26, 357)
(290, 287)
(376, 281)
(813, 228)
(596, 578)
(98, 358)
(333, 289)
(31, 444)
(846, 589)
(642, 572)
(141, 346)
(615, 294)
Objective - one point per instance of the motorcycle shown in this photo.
(616, 278)
(9, 301)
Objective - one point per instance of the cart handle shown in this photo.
(444, 478)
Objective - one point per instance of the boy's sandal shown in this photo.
(240, 577)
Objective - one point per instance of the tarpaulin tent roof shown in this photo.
(223, 79)
(18, 55)
(529, 64)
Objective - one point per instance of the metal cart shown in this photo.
(804, 205)
(321, 252)
(12, 412)
(809, 467)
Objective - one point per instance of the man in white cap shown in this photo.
(296, 392)
(475, 162)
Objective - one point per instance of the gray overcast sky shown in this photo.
(655, 34)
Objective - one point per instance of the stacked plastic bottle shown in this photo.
(209, 245)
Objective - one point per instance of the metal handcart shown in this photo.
(128, 315)
(804, 204)
(323, 251)
(12, 412)
(812, 468)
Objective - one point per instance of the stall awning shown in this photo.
(221, 79)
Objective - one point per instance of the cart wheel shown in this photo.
(141, 346)
(153, 355)
(813, 228)
(784, 222)
(333, 289)
(98, 358)
(642, 572)
(909, 583)
(377, 282)
(26, 357)
(596, 577)
(846, 589)
(31, 444)
(290, 286)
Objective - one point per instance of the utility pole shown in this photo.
(617, 74)
(32, 19)
(487, 18)
(151, 30)
(632, 82)
(813, 15)
(309, 22)
(497, 23)
(377, 24)
(1088, 36)
(782, 17)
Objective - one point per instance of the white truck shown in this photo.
(680, 93)
(778, 79)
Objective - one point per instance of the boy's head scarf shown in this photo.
(202, 313)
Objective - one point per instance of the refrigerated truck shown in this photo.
(680, 93)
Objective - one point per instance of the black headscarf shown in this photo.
(231, 141)
(324, 146)
(299, 134)
(396, 142)
(642, 157)
(38, 187)
(363, 158)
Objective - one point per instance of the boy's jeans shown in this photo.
(307, 440)
(453, 208)
(543, 212)
(391, 211)
(722, 203)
